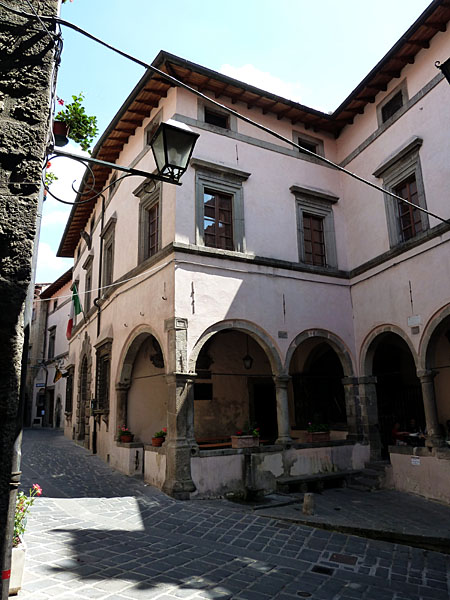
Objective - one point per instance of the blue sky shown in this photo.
(312, 51)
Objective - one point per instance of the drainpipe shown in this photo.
(100, 260)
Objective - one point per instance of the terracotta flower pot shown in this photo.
(317, 436)
(60, 131)
(158, 441)
(126, 439)
(244, 441)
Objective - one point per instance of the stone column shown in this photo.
(180, 443)
(429, 405)
(369, 415)
(122, 404)
(353, 409)
(284, 429)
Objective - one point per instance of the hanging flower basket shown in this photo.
(60, 132)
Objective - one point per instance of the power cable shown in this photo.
(181, 84)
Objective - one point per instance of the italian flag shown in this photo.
(75, 309)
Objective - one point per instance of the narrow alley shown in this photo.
(98, 534)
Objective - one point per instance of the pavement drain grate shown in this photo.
(322, 570)
(345, 559)
(304, 594)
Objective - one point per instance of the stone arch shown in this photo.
(83, 391)
(433, 329)
(130, 350)
(132, 355)
(368, 347)
(330, 338)
(258, 334)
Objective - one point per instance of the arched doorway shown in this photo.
(399, 393)
(142, 403)
(234, 388)
(317, 395)
(436, 360)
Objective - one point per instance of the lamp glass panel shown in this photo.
(179, 146)
(158, 150)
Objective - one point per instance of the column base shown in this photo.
(180, 490)
(434, 441)
(284, 439)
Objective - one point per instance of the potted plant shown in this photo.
(317, 432)
(23, 505)
(159, 437)
(124, 435)
(73, 122)
(248, 437)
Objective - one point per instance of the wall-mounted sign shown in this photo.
(40, 385)
(415, 460)
(414, 321)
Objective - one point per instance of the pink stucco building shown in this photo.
(339, 294)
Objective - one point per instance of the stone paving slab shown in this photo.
(381, 514)
(99, 534)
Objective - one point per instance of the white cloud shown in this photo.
(50, 267)
(55, 215)
(264, 80)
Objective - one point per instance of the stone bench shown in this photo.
(303, 483)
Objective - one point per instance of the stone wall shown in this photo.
(26, 63)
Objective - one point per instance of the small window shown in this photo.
(216, 118)
(218, 219)
(392, 106)
(313, 240)
(108, 262)
(88, 288)
(149, 221)
(51, 343)
(103, 376)
(410, 218)
(92, 225)
(151, 128)
(312, 146)
(55, 304)
(112, 184)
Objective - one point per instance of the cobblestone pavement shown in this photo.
(98, 534)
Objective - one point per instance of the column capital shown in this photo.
(176, 323)
(282, 380)
(426, 375)
(367, 379)
(180, 378)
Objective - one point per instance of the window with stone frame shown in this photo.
(151, 128)
(315, 227)
(402, 175)
(219, 206)
(108, 251)
(69, 390)
(51, 342)
(88, 283)
(311, 143)
(149, 220)
(392, 103)
(103, 374)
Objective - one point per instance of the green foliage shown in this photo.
(161, 433)
(82, 128)
(249, 429)
(23, 505)
(317, 427)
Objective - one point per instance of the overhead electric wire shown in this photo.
(181, 84)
